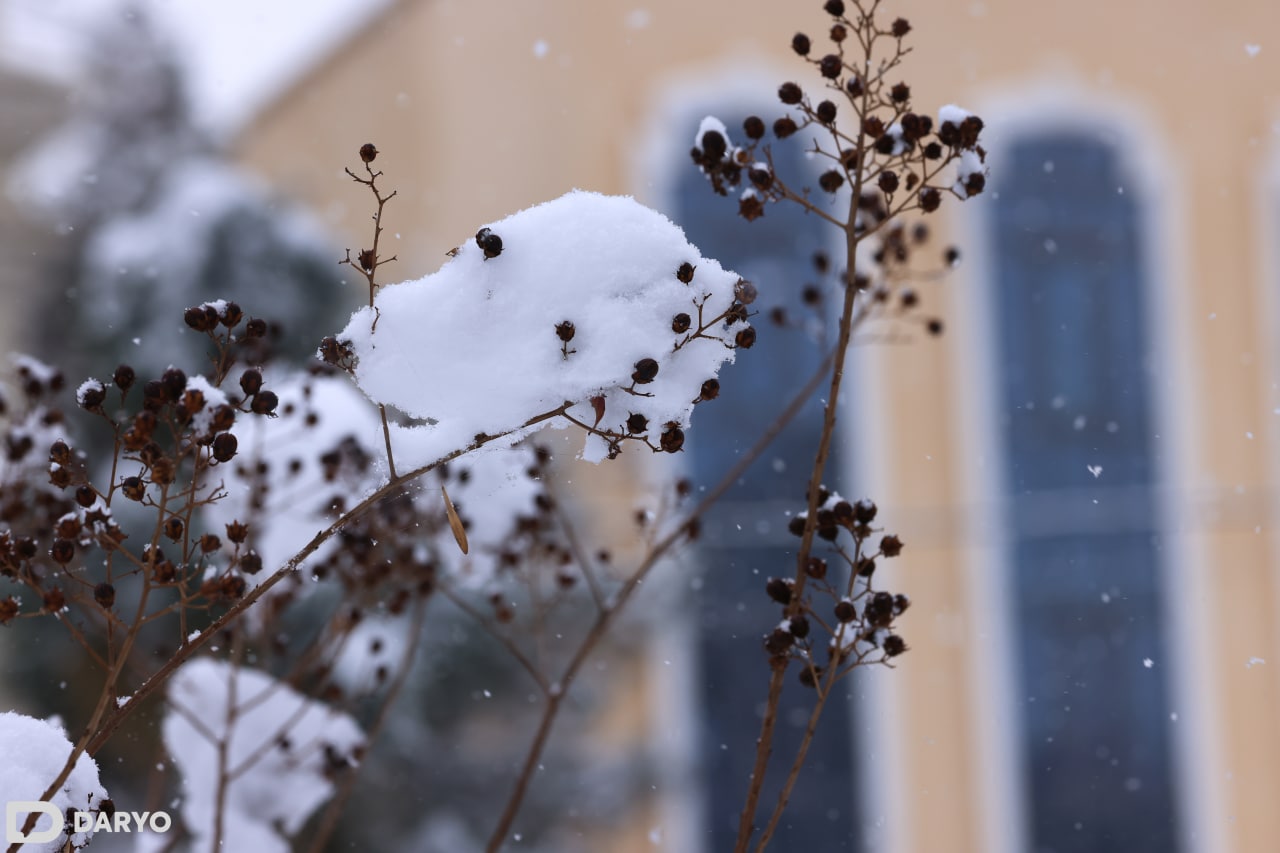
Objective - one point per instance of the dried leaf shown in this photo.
(597, 403)
(455, 523)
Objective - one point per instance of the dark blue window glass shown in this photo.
(1078, 440)
(745, 538)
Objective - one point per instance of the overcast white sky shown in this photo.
(240, 53)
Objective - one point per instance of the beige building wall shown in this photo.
(482, 109)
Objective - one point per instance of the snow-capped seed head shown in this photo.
(91, 395)
(489, 243)
(900, 604)
(368, 152)
(202, 318)
(745, 292)
(646, 370)
(779, 589)
(778, 641)
(714, 145)
(565, 331)
(231, 315)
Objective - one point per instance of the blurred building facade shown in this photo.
(1082, 466)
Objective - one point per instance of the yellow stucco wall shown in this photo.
(475, 124)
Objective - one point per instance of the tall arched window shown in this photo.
(745, 537)
(1078, 440)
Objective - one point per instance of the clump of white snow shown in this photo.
(474, 348)
(281, 751)
(318, 419)
(34, 752)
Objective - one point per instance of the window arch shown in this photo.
(1076, 432)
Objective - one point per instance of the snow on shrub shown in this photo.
(282, 751)
(34, 752)
(589, 299)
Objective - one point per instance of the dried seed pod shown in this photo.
(264, 403)
(63, 551)
(893, 646)
(173, 528)
(779, 589)
(250, 563)
(224, 447)
(565, 331)
(368, 152)
(790, 94)
(680, 323)
(489, 243)
(830, 66)
(672, 437)
(646, 370)
(685, 272)
(637, 423)
(255, 328)
(710, 390)
(105, 595)
(845, 611)
(745, 338)
(123, 377)
(800, 44)
(133, 487)
(753, 127)
(237, 532)
(251, 381)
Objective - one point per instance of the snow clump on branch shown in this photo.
(591, 300)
